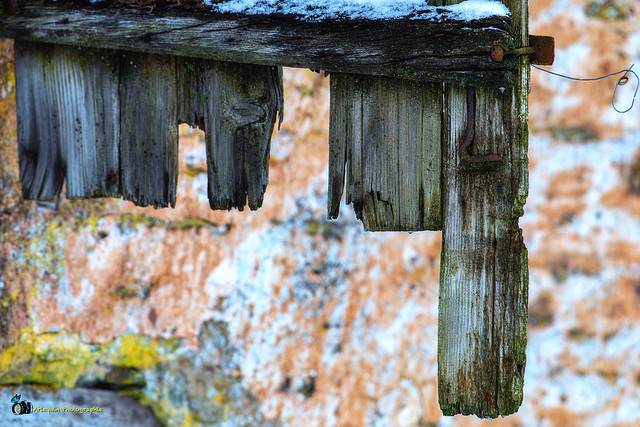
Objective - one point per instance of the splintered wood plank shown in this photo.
(236, 105)
(41, 165)
(192, 84)
(84, 91)
(353, 93)
(389, 130)
(339, 117)
(149, 129)
(484, 272)
(381, 203)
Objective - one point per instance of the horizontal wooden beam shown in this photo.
(417, 49)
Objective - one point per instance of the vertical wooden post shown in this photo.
(149, 129)
(236, 105)
(387, 131)
(484, 272)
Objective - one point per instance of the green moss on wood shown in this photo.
(403, 73)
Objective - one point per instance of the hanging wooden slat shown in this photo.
(484, 274)
(339, 122)
(108, 121)
(84, 95)
(236, 105)
(388, 132)
(148, 129)
(41, 165)
(352, 92)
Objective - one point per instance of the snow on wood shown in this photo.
(317, 10)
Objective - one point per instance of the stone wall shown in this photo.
(280, 317)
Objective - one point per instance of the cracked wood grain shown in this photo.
(86, 107)
(68, 108)
(41, 165)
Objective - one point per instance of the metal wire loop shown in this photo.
(621, 82)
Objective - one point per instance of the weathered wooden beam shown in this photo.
(149, 129)
(484, 273)
(388, 131)
(236, 105)
(418, 49)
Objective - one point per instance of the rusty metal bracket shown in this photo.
(471, 120)
(541, 49)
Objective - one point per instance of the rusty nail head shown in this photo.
(497, 53)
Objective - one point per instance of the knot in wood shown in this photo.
(241, 114)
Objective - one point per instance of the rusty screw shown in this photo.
(497, 53)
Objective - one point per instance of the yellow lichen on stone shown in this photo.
(59, 360)
(135, 351)
(51, 359)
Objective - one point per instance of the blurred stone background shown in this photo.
(280, 317)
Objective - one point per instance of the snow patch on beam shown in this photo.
(318, 10)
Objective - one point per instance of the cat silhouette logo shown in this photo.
(19, 407)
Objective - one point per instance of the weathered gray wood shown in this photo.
(236, 105)
(84, 94)
(339, 121)
(453, 51)
(192, 90)
(41, 166)
(353, 92)
(148, 129)
(484, 273)
(388, 132)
